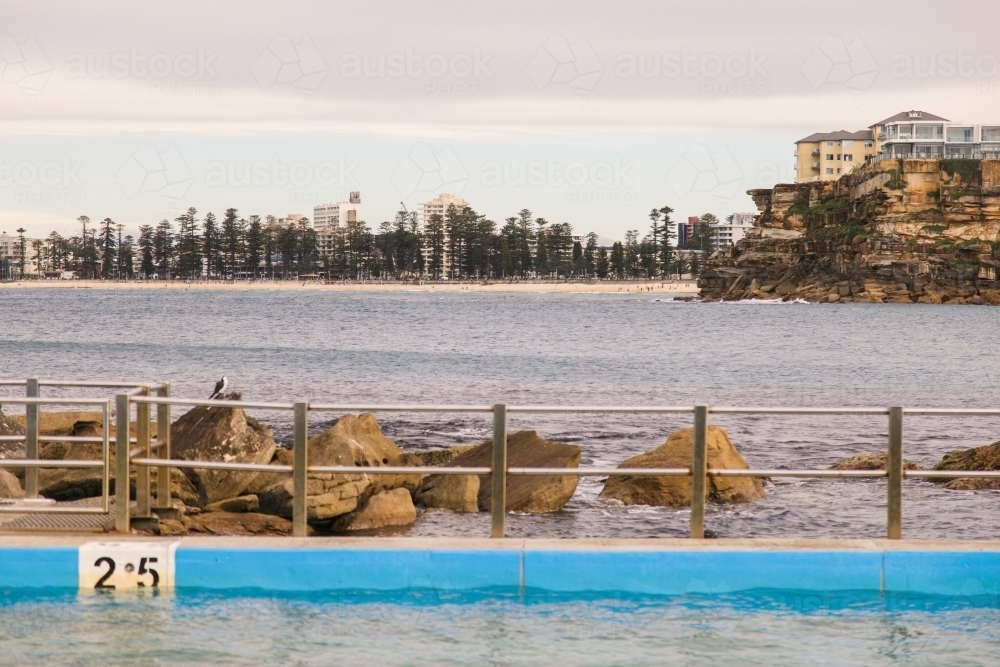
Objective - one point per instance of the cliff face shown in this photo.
(897, 231)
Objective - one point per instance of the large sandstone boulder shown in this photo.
(220, 434)
(60, 422)
(232, 523)
(440, 457)
(386, 508)
(459, 493)
(677, 452)
(351, 441)
(525, 493)
(986, 457)
(10, 487)
(874, 461)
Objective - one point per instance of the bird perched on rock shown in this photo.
(220, 387)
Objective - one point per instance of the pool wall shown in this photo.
(656, 567)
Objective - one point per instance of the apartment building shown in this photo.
(826, 156)
(438, 206)
(328, 218)
(10, 256)
(331, 216)
(918, 134)
(732, 230)
(687, 230)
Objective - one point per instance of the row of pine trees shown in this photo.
(461, 244)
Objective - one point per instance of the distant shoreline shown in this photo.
(686, 287)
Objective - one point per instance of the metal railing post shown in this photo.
(122, 482)
(300, 463)
(895, 470)
(163, 451)
(699, 464)
(142, 487)
(499, 498)
(31, 431)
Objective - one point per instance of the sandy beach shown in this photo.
(681, 287)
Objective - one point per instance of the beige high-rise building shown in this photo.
(826, 156)
(438, 206)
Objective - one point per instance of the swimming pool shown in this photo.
(405, 601)
(389, 601)
(767, 627)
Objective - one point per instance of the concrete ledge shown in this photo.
(648, 566)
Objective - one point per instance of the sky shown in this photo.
(591, 113)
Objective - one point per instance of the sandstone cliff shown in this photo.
(895, 231)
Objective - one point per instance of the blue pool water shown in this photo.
(772, 628)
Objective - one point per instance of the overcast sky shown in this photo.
(586, 112)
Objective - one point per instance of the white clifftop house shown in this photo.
(918, 134)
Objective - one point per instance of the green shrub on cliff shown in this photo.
(896, 182)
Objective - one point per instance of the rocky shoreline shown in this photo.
(898, 231)
(239, 503)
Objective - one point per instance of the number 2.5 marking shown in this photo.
(143, 569)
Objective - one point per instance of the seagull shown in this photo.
(220, 387)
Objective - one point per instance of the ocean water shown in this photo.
(770, 628)
(608, 349)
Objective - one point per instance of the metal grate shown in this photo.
(54, 521)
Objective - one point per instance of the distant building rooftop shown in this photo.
(839, 135)
(913, 114)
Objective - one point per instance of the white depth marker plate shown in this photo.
(127, 565)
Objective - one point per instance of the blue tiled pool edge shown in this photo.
(520, 565)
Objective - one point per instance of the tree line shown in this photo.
(460, 244)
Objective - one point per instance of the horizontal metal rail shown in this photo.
(213, 465)
(51, 463)
(953, 474)
(330, 407)
(23, 400)
(400, 470)
(211, 403)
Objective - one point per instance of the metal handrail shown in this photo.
(142, 456)
(31, 463)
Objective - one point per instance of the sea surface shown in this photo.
(568, 349)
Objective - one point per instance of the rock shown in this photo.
(875, 461)
(66, 484)
(459, 493)
(525, 493)
(171, 527)
(833, 298)
(10, 487)
(61, 423)
(986, 457)
(676, 452)
(440, 457)
(386, 508)
(220, 434)
(248, 503)
(237, 523)
(9, 426)
(351, 441)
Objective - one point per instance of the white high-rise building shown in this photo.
(730, 232)
(328, 218)
(333, 215)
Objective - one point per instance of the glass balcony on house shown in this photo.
(960, 135)
(928, 132)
